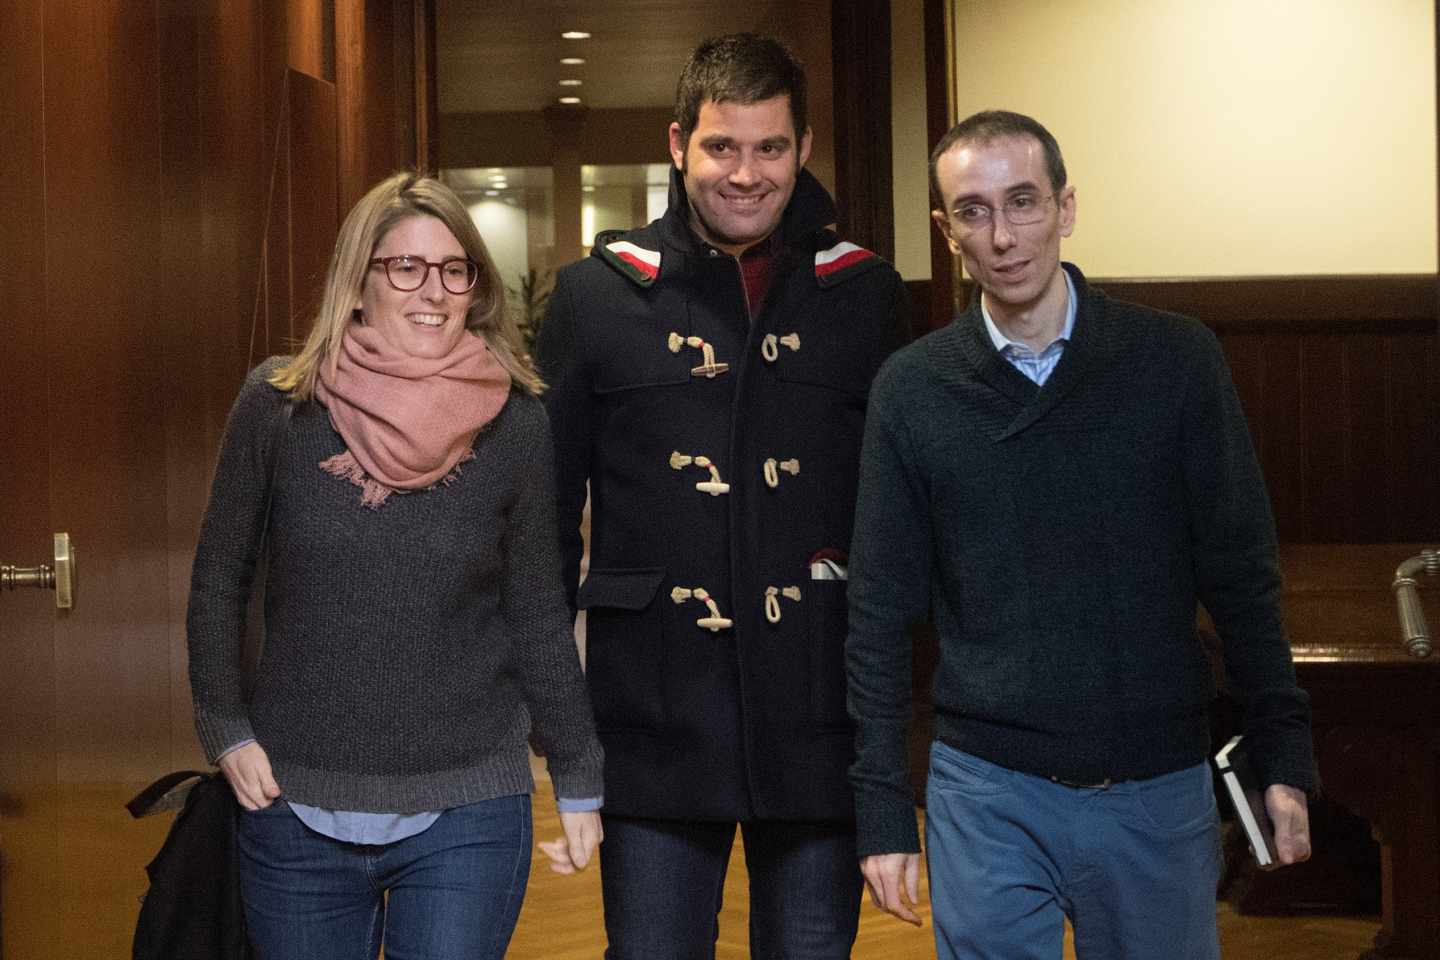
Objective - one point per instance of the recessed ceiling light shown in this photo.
(575, 35)
(492, 193)
(570, 100)
(588, 188)
(501, 185)
(494, 170)
(572, 61)
(569, 83)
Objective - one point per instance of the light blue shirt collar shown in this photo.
(1001, 341)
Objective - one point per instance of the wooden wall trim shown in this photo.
(1328, 304)
(1379, 304)
(864, 177)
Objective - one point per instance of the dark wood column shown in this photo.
(860, 45)
(939, 116)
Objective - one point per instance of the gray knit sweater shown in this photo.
(408, 648)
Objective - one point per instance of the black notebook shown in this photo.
(1247, 796)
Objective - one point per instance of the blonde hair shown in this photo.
(393, 199)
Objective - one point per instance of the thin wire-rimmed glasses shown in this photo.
(1019, 211)
(407, 272)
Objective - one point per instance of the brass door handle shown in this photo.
(60, 578)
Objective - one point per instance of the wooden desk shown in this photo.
(1377, 721)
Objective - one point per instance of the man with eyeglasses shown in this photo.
(1057, 478)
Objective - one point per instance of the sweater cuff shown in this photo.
(1288, 758)
(219, 734)
(579, 775)
(883, 825)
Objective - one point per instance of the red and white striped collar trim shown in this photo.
(840, 261)
(641, 265)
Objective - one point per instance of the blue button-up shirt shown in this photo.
(1036, 366)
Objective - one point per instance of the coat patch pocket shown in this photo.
(835, 347)
(625, 628)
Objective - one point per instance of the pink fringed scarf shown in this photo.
(407, 422)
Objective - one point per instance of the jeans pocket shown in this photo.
(952, 769)
(1176, 803)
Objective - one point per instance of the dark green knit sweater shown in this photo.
(409, 647)
(1061, 537)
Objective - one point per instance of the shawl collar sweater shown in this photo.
(1061, 537)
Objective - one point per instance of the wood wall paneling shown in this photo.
(1413, 435)
(28, 821)
(313, 217)
(107, 449)
(1338, 381)
(310, 35)
(374, 75)
(273, 331)
(194, 343)
(1367, 374)
(172, 211)
(235, 137)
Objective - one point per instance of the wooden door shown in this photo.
(169, 194)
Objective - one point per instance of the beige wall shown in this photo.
(1233, 137)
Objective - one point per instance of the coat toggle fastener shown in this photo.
(772, 603)
(715, 622)
(714, 486)
(769, 347)
(708, 367)
(773, 468)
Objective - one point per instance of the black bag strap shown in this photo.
(147, 798)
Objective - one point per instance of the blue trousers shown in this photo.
(450, 892)
(663, 881)
(1133, 865)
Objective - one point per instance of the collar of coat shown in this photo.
(638, 254)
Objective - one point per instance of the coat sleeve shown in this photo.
(889, 590)
(568, 401)
(222, 576)
(1237, 573)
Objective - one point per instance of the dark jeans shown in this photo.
(663, 881)
(450, 892)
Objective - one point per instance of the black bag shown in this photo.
(192, 910)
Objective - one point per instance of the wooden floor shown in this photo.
(562, 920)
(87, 909)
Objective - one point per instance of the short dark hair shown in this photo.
(991, 125)
(739, 68)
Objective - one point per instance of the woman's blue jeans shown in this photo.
(450, 892)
